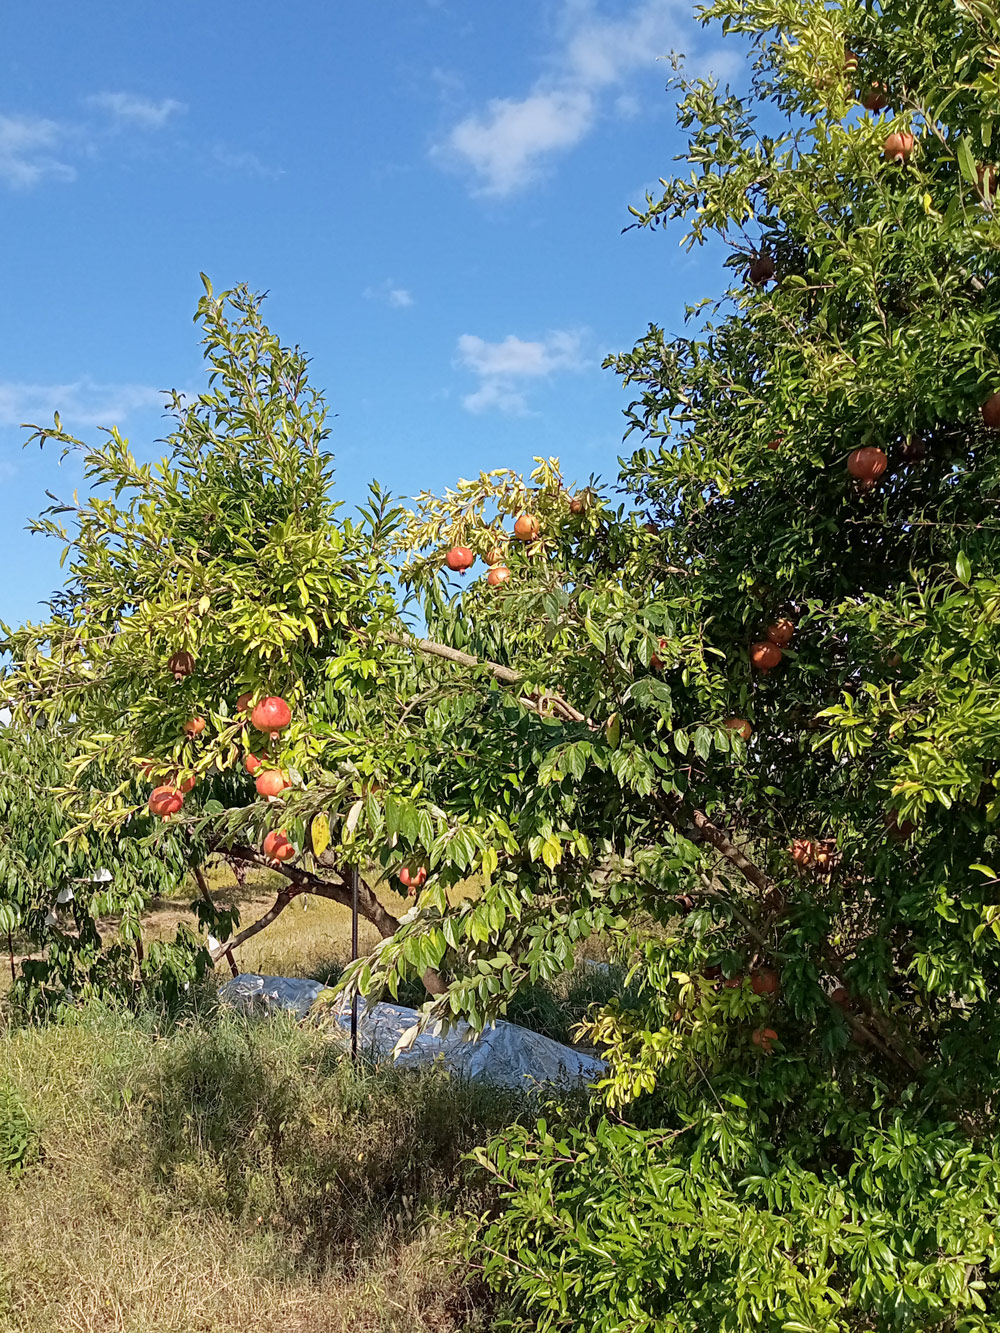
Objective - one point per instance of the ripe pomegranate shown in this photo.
(497, 575)
(765, 1039)
(733, 983)
(866, 464)
(276, 847)
(850, 62)
(195, 727)
(876, 98)
(271, 715)
(181, 664)
(765, 656)
(495, 556)
(412, 879)
(579, 503)
(740, 725)
(271, 782)
(146, 767)
(187, 785)
(243, 702)
(251, 763)
(164, 801)
(527, 528)
(775, 443)
(842, 997)
(656, 662)
(781, 632)
(898, 146)
(761, 271)
(991, 411)
(460, 558)
(803, 852)
(765, 981)
(652, 528)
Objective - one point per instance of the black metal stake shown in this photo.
(354, 955)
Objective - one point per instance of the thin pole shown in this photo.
(354, 954)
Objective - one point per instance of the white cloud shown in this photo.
(506, 144)
(492, 396)
(80, 403)
(399, 298)
(28, 146)
(131, 109)
(503, 366)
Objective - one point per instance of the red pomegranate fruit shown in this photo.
(765, 981)
(765, 1039)
(898, 147)
(271, 715)
(867, 464)
(495, 556)
(460, 558)
(991, 411)
(251, 763)
(164, 801)
(195, 727)
(243, 702)
(276, 846)
(412, 879)
(765, 656)
(527, 528)
(740, 725)
(781, 632)
(271, 782)
(803, 852)
(498, 574)
(876, 97)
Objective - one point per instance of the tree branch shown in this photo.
(506, 675)
(206, 894)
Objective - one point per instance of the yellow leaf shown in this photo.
(319, 833)
(203, 604)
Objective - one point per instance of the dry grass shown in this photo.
(172, 1197)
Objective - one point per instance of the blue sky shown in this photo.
(432, 192)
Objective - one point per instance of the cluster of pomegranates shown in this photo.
(527, 528)
(270, 716)
(767, 653)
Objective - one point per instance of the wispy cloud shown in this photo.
(508, 143)
(80, 403)
(135, 110)
(504, 367)
(32, 150)
(245, 162)
(399, 298)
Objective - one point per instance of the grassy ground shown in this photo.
(216, 1173)
(222, 1175)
